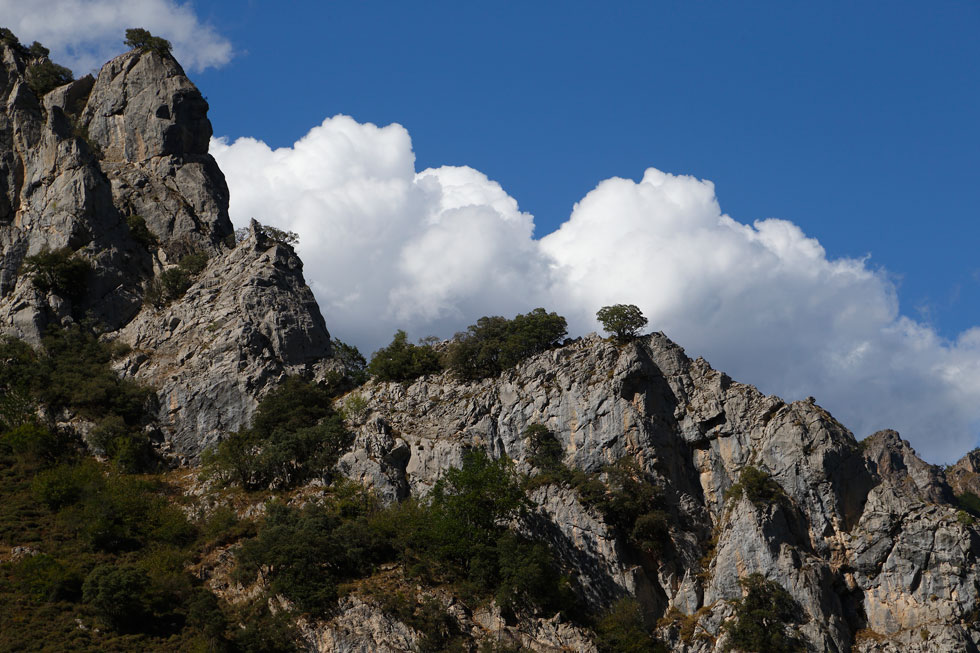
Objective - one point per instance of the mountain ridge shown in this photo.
(865, 537)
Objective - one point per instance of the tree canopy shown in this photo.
(623, 321)
(495, 343)
(141, 39)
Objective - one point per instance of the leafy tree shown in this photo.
(632, 504)
(295, 435)
(9, 38)
(623, 321)
(75, 373)
(141, 39)
(59, 271)
(546, 452)
(281, 236)
(621, 630)
(355, 366)
(44, 578)
(495, 343)
(38, 51)
(758, 486)
(761, 618)
(403, 361)
(44, 76)
(118, 594)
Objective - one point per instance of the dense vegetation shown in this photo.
(495, 344)
(113, 549)
(403, 361)
(97, 543)
(295, 435)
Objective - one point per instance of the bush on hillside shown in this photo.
(58, 271)
(762, 617)
(495, 343)
(403, 361)
(294, 436)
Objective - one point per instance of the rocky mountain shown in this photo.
(868, 540)
(116, 171)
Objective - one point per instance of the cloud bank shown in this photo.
(83, 34)
(387, 247)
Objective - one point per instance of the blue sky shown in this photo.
(447, 160)
(857, 121)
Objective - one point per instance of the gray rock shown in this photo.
(248, 321)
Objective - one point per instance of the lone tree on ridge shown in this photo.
(623, 321)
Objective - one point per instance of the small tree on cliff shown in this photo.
(137, 37)
(621, 320)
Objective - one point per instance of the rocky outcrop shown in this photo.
(247, 321)
(865, 540)
(82, 168)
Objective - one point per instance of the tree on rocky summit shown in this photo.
(139, 38)
(623, 321)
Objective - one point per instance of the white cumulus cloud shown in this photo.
(387, 247)
(83, 34)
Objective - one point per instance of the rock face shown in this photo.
(866, 539)
(246, 322)
(82, 168)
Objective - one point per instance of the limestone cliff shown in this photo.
(866, 541)
(91, 165)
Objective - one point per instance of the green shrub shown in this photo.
(403, 361)
(59, 271)
(127, 447)
(121, 513)
(140, 232)
(295, 436)
(264, 632)
(141, 39)
(621, 630)
(969, 502)
(544, 450)
(758, 487)
(631, 504)
(36, 443)
(305, 552)
(118, 594)
(75, 374)
(172, 283)
(45, 76)
(494, 344)
(45, 579)
(761, 618)
(66, 484)
(623, 321)
(355, 407)
(355, 366)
